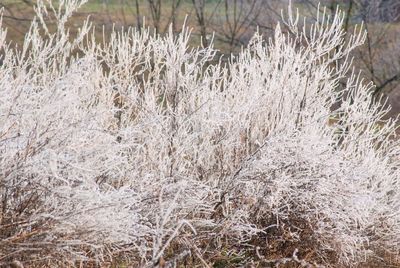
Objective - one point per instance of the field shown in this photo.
(115, 14)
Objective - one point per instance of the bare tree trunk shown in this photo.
(155, 9)
(122, 7)
(138, 18)
(199, 8)
(174, 8)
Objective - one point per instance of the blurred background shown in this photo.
(232, 23)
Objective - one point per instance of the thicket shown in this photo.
(141, 151)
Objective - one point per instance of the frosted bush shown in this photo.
(145, 150)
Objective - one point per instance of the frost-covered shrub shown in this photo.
(142, 148)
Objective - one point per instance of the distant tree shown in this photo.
(155, 7)
(378, 57)
(199, 7)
